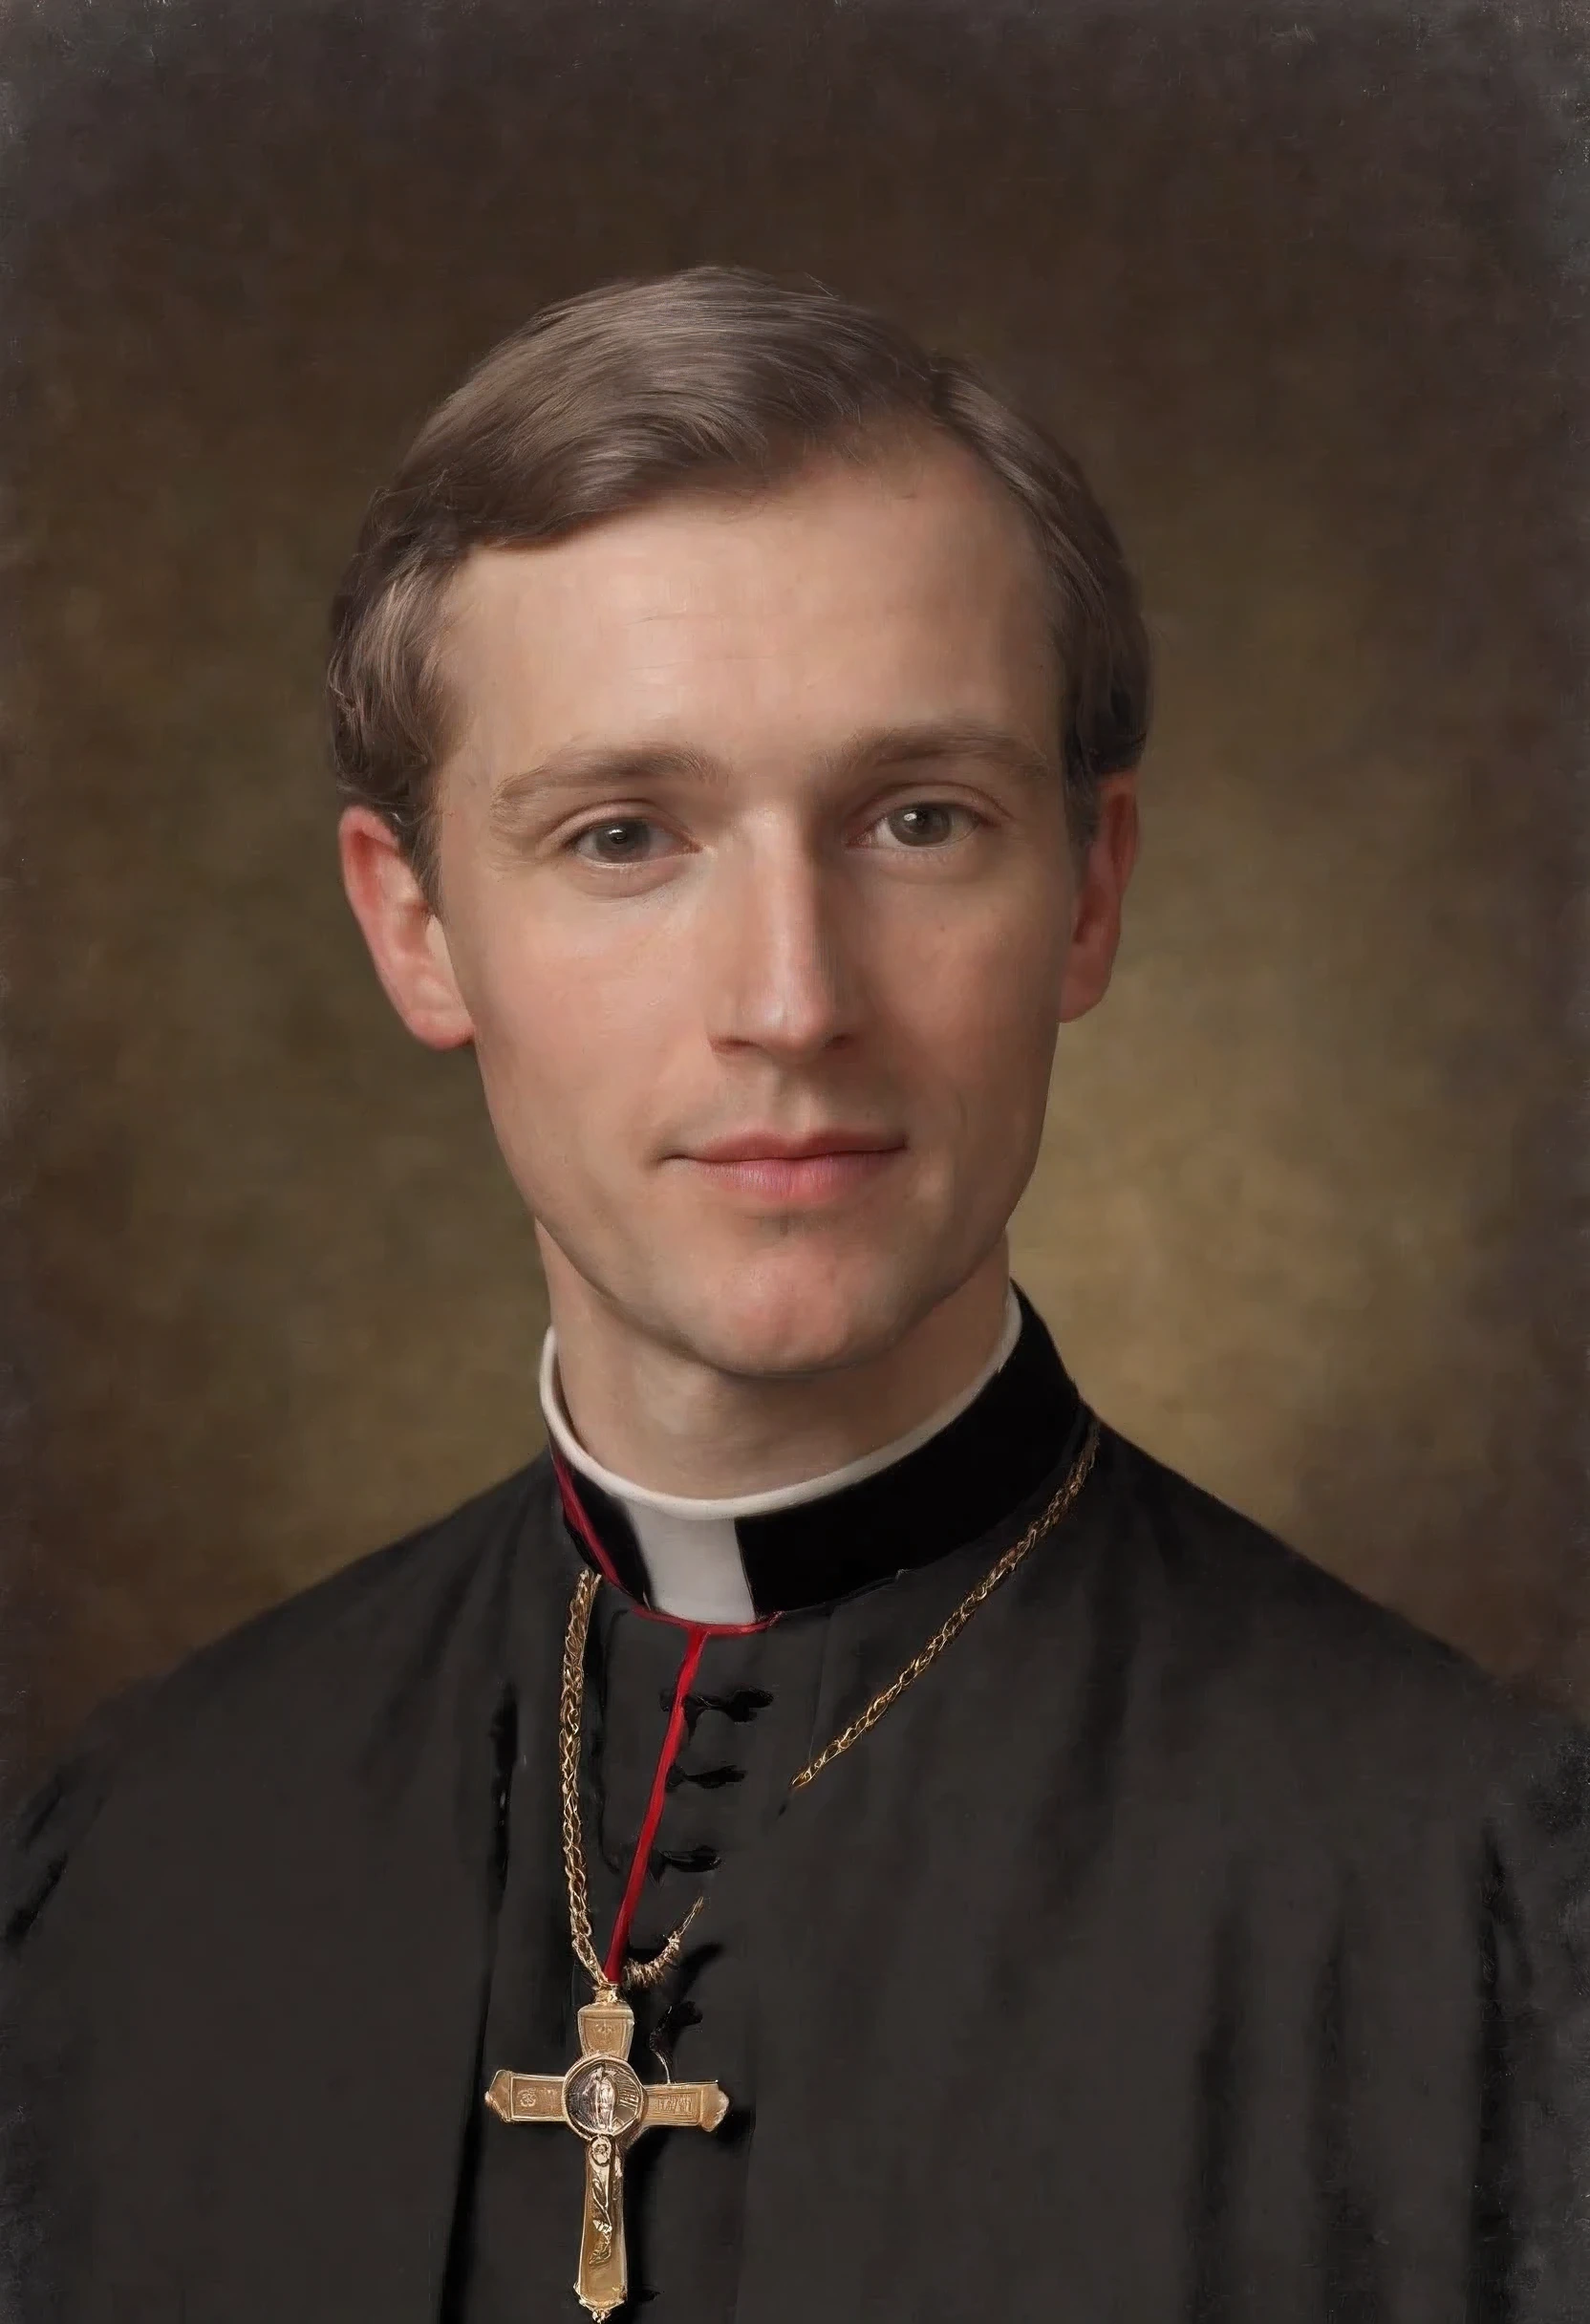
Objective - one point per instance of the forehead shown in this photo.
(902, 590)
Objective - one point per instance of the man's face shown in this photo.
(755, 830)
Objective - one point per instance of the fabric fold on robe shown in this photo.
(1194, 1941)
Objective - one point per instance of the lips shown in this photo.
(768, 1145)
(763, 1172)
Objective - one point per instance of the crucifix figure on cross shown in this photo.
(604, 2100)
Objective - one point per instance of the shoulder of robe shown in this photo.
(1305, 1658)
(334, 1656)
(1535, 1980)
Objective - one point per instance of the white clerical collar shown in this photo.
(690, 1546)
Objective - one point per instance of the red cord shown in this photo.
(575, 1511)
(696, 1634)
(619, 1947)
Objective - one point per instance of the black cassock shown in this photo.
(1191, 1941)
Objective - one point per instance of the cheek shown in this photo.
(982, 1003)
(559, 1040)
(523, 1035)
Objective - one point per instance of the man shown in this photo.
(842, 1835)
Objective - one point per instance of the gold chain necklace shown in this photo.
(601, 2096)
(635, 1976)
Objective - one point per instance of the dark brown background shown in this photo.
(1299, 288)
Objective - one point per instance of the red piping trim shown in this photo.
(619, 1947)
(574, 1511)
(581, 1523)
(696, 1634)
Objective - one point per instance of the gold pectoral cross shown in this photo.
(604, 2100)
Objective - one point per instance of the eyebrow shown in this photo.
(941, 740)
(599, 766)
(588, 767)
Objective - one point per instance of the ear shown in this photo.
(406, 939)
(1101, 891)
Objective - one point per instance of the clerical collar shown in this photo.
(950, 1480)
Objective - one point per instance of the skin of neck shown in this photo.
(661, 1418)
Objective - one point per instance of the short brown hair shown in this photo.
(717, 378)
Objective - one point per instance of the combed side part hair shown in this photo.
(717, 378)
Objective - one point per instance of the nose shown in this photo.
(777, 950)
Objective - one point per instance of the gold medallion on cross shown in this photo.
(604, 2101)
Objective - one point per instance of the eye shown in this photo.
(616, 840)
(923, 824)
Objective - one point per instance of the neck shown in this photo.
(675, 1424)
(750, 1559)
(770, 1499)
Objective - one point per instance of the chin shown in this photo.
(772, 1321)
